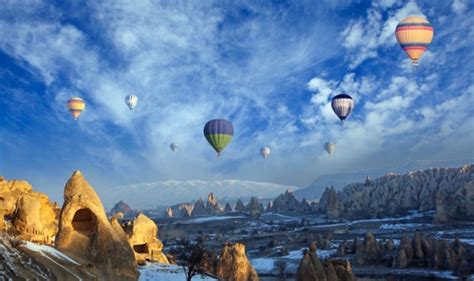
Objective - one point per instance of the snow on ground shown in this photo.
(155, 271)
(468, 241)
(411, 272)
(44, 249)
(266, 265)
(404, 226)
(212, 218)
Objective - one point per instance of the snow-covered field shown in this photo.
(154, 271)
(212, 218)
(404, 226)
(266, 265)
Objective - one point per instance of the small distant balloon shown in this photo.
(76, 105)
(329, 147)
(174, 147)
(265, 152)
(414, 34)
(342, 105)
(131, 101)
(218, 133)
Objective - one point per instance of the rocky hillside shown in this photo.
(395, 194)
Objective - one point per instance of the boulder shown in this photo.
(143, 233)
(368, 252)
(35, 218)
(233, 264)
(86, 235)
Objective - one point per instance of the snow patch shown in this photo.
(154, 271)
(213, 218)
(50, 251)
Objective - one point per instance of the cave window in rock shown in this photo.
(141, 248)
(85, 222)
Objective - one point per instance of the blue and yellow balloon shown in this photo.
(218, 133)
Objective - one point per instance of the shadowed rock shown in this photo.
(233, 264)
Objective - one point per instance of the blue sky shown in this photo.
(270, 67)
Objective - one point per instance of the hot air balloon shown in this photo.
(342, 105)
(173, 147)
(329, 147)
(414, 34)
(131, 101)
(265, 152)
(76, 105)
(219, 133)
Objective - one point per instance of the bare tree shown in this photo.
(279, 265)
(194, 260)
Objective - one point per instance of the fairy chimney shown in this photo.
(143, 239)
(86, 234)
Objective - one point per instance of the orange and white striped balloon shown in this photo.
(414, 34)
(76, 105)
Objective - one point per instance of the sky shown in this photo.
(270, 67)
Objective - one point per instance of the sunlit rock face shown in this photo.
(143, 233)
(10, 192)
(395, 194)
(35, 218)
(86, 234)
(233, 264)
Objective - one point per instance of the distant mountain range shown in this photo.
(167, 193)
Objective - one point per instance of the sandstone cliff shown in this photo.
(287, 203)
(10, 192)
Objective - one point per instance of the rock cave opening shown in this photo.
(141, 248)
(85, 222)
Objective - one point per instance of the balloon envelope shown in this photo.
(76, 105)
(329, 147)
(131, 101)
(218, 133)
(265, 152)
(174, 147)
(414, 34)
(342, 105)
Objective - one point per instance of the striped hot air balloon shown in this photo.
(414, 34)
(76, 105)
(342, 105)
(219, 133)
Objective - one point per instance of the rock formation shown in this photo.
(35, 218)
(287, 203)
(169, 213)
(227, 208)
(124, 208)
(233, 264)
(329, 203)
(86, 235)
(199, 208)
(311, 268)
(239, 206)
(212, 206)
(419, 251)
(143, 233)
(254, 208)
(440, 216)
(396, 194)
(10, 192)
